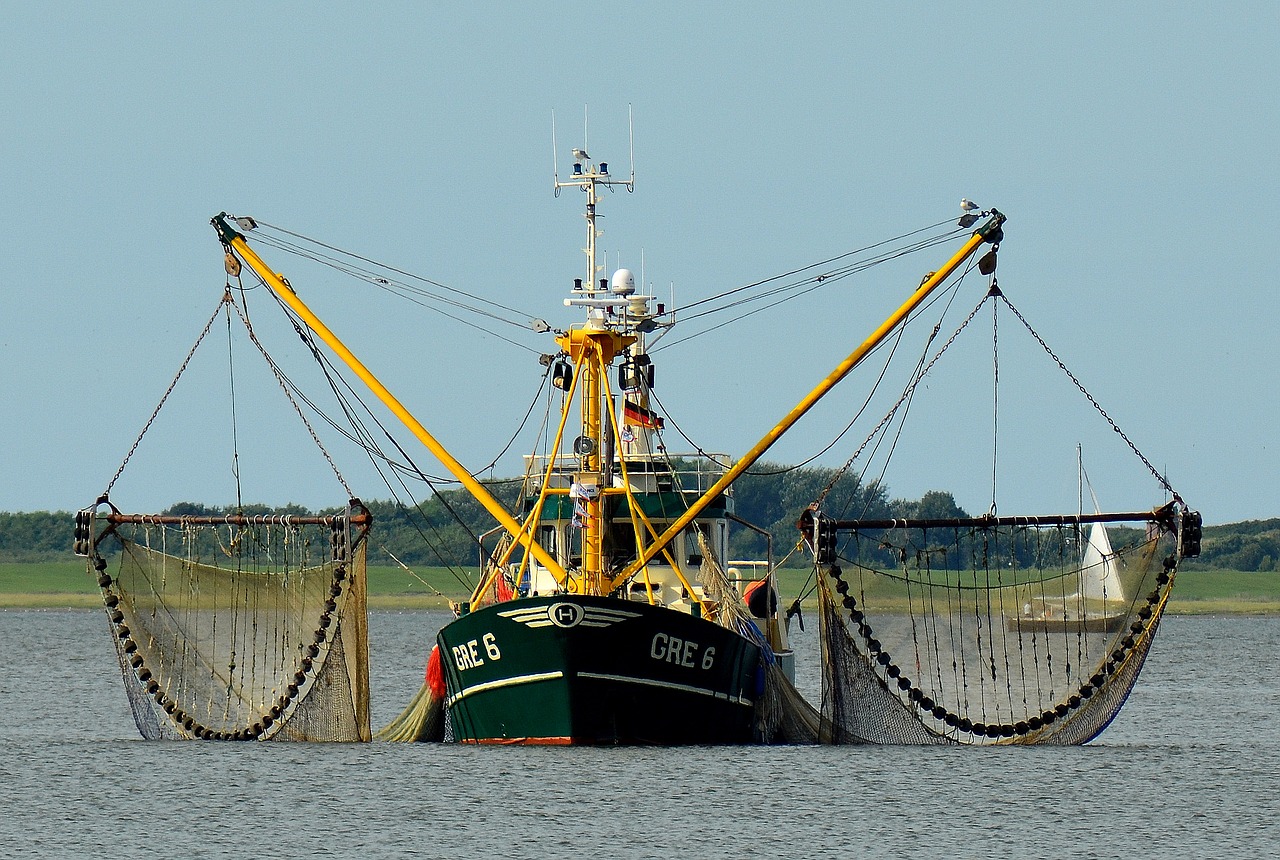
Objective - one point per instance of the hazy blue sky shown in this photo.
(1133, 147)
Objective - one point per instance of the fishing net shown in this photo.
(990, 633)
(782, 714)
(425, 718)
(238, 627)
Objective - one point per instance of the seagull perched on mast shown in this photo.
(968, 213)
(580, 155)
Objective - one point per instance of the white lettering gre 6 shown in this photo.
(673, 649)
(468, 656)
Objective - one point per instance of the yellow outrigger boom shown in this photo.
(990, 231)
(234, 241)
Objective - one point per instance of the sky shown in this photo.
(1132, 147)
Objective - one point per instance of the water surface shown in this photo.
(1190, 768)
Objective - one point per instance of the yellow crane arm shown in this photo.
(990, 231)
(234, 241)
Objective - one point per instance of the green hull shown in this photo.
(589, 670)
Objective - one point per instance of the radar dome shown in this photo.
(624, 283)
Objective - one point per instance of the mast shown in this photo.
(592, 347)
(616, 320)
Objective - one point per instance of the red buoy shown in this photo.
(435, 673)
(761, 599)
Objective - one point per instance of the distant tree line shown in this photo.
(442, 530)
(1249, 545)
(39, 536)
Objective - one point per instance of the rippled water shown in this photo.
(1190, 768)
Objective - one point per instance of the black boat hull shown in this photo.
(570, 669)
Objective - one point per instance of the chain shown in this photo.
(1114, 426)
(226, 298)
(285, 388)
(1144, 621)
(995, 391)
(906, 394)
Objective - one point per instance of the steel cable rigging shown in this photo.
(796, 289)
(384, 277)
(360, 435)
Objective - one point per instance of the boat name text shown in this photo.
(467, 656)
(682, 652)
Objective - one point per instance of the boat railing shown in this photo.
(694, 474)
(743, 572)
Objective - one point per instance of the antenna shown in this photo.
(590, 175)
(555, 167)
(631, 144)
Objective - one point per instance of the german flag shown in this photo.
(637, 416)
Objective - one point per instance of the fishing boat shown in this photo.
(604, 615)
(605, 611)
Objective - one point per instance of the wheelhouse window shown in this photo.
(548, 537)
(621, 548)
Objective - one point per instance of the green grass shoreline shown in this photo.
(67, 585)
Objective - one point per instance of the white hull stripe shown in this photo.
(597, 676)
(667, 685)
(505, 682)
(611, 613)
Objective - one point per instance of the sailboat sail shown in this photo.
(1099, 578)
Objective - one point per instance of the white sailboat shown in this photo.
(1098, 603)
(1099, 577)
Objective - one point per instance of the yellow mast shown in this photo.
(593, 535)
(234, 241)
(592, 347)
(988, 232)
